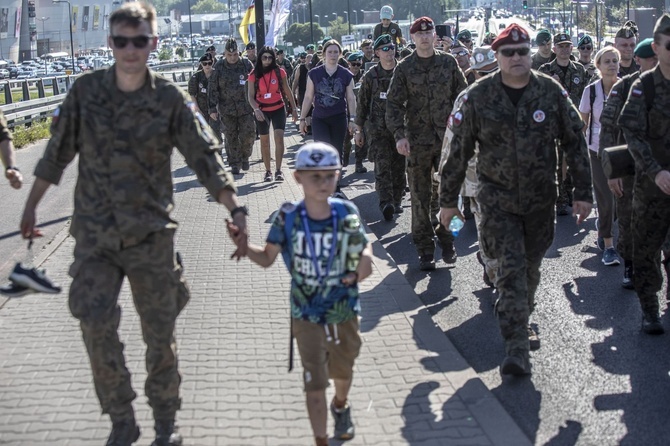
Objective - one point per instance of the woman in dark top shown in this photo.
(330, 89)
(197, 89)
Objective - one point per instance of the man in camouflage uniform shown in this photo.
(355, 64)
(612, 135)
(572, 76)
(646, 126)
(586, 50)
(516, 169)
(465, 38)
(422, 92)
(544, 53)
(123, 122)
(371, 126)
(284, 63)
(227, 93)
(625, 41)
(7, 155)
(197, 89)
(368, 52)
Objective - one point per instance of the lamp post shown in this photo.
(46, 67)
(355, 16)
(190, 30)
(348, 21)
(69, 14)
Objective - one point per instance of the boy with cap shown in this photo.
(585, 47)
(388, 27)
(544, 53)
(324, 247)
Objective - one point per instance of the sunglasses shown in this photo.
(510, 52)
(267, 57)
(465, 40)
(387, 48)
(355, 64)
(139, 42)
(205, 64)
(667, 45)
(585, 48)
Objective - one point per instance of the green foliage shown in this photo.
(208, 7)
(165, 54)
(180, 51)
(299, 34)
(337, 29)
(25, 135)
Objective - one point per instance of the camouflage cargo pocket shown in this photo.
(183, 293)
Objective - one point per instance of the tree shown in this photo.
(337, 29)
(165, 54)
(208, 7)
(299, 34)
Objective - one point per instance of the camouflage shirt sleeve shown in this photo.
(363, 99)
(193, 85)
(633, 120)
(213, 86)
(396, 100)
(4, 130)
(609, 131)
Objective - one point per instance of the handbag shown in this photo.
(617, 162)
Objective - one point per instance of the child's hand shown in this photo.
(350, 279)
(239, 236)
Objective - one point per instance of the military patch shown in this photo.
(636, 93)
(564, 93)
(241, 76)
(424, 26)
(614, 93)
(515, 35)
(273, 81)
(576, 80)
(54, 118)
(538, 116)
(479, 58)
(458, 118)
(393, 31)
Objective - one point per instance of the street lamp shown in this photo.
(348, 21)
(69, 14)
(355, 16)
(44, 19)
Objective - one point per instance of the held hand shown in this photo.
(237, 230)
(581, 210)
(352, 128)
(303, 127)
(214, 115)
(28, 230)
(616, 186)
(350, 279)
(359, 139)
(402, 147)
(295, 116)
(663, 181)
(447, 214)
(15, 178)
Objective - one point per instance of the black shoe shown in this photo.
(124, 433)
(388, 210)
(449, 254)
(268, 176)
(245, 165)
(279, 176)
(427, 262)
(235, 170)
(485, 277)
(15, 290)
(398, 208)
(651, 324)
(562, 209)
(33, 278)
(516, 363)
(166, 434)
(467, 212)
(533, 339)
(360, 168)
(627, 282)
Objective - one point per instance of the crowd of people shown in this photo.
(512, 138)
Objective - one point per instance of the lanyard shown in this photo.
(310, 244)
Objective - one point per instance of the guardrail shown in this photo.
(28, 110)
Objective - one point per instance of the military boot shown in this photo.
(166, 434)
(651, 323)
(516, 363)
(666, 266)
(124, 433)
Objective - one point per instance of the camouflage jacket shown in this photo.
(591, 71)
(647, 132)
(4, 130)
(371, 100)
(537, 60)
(419, 100)
(227, 89)
(610, 133)
(516, 163)
(124, 191)
(197, 87)
(574, 80)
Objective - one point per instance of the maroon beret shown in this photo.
(422, 24)
(511, 35)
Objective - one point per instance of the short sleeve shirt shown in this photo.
(330, 91)
(593, 128)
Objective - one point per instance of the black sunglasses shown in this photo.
(266, 57)
(667, 45)
(139, 42)
(510, 52)
(355, 64)
(206, 63)
(585, 48)
(465, 40)
(387, 48)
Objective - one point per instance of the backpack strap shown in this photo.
(648, 88)
(592, 100)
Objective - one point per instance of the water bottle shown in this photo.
(455, 225)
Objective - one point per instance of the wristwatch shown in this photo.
(12, 168)
(243, 209)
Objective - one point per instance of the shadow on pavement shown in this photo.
(40, 225)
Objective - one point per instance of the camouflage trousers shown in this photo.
(159, 294)
(215, 124)
(651, 227)
(422, 162)
(565, 185)
(360, 152)
(389, 168)
(240, 133)
(518, 243)
(624, 214)
(490, 264)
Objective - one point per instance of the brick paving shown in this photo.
(411, 386)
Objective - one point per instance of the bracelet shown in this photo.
(242, 209)
(302, 119)
(12, 168)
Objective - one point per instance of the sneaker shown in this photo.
(360, 168)
(627, 281)
(533, 339)
(344, 427)
(268, 176)
(124, 433)
(427, 262)
(279, 176)
(562, 209)
(600, 243)
(449, 254)
(388, 210)
(166, 434)
(516, 363)
(398, 208)
(651, 324)
(235, 170)
(34, 279)
(610, 257)
(485, 277)
(245, 165)
(467, 211)
(15, 290)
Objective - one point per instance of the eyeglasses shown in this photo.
(355, 64)
(510, 52)
(139, 42)
(585, 48)
(387, 48)
(205, 64)
(265, 57)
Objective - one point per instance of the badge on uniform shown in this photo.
(636, 93)
(614, 93)
(564, 93)
(203, 90)
(54, 119)
(576, 80)
(273, 81)
(538, 116)
(242, 81)
(457, 118)
(393, 31)
(382, 95)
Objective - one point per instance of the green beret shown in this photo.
(625, 33)
(310, 46)
(326, 39)
(383, 40)
(663, 25)
(644, 50)
(585, 40)
(465, 34)
(543, 36)
(354, 56)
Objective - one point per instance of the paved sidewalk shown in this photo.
(411, 386)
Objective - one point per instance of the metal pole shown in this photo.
(311, 22)
(260, 23)
(349, 15)
(190, 30)
(69, 13)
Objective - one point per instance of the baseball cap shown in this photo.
(317, 156)
(386, 12)
(562, 38)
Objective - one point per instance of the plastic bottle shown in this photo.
(455, 225)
